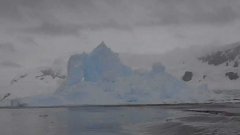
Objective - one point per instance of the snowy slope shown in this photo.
(35, 82)
(101, 78)
(38, 81)
(217, 67)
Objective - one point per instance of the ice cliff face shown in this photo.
(101, 64)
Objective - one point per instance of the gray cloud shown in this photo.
(7, 47)
(54, 29)
(27, 40)
(12, 9)
(58, 29)
(9, 10)
(67, 17)
(197, 12)
(157, 12)
(9, 64)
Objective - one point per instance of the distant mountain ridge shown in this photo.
(229, 54)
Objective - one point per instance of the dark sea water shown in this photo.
(219, 119)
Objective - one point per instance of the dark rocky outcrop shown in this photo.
(235, 64)
(187, 76)
(232, 75)
(50, 72)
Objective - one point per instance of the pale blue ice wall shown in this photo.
(75, 68)
(101, 64)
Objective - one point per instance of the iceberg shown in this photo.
(100, 78)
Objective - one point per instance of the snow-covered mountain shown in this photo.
(100, 78)
(217, 67)
(36, 81)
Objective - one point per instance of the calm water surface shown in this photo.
(115, 121)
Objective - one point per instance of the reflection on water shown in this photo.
(32, 122)
(110, 121)
(76, 121)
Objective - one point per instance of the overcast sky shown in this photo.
(35, 32)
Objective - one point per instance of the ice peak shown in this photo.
(102, 51)
(102, 46)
